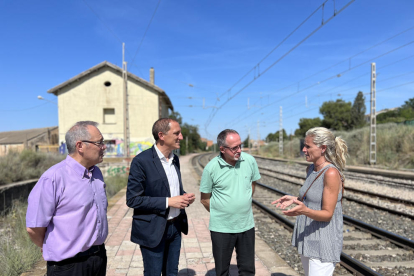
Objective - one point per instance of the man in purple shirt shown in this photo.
(66, 215)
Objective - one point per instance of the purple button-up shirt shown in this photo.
(71, 202)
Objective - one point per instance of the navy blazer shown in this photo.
(146, 192)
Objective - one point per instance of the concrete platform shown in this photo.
(124, 257)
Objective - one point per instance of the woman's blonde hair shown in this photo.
(336, 148)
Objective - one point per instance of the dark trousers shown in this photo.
(163, 259)
(93, 264)
(223, 246)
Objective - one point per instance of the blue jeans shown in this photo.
(164, 257)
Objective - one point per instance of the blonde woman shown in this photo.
(319, 224)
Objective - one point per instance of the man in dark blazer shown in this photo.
(156, 193)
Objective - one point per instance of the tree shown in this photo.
(409, 104)
(336, 115)
(274, 137)
(358, 111)
(307, 123)
(246, 142)
(176, 116)
(190, 134)
(398, 115)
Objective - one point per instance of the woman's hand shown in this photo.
(284, 201)
(297, 210)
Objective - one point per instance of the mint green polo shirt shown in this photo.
(231, 193)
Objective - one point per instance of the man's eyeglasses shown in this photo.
(234, 149)
(98, 143)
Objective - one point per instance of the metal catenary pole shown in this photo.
(258, 136)
(248, 142)
(281, 132)
(125, 93)
(373, 121)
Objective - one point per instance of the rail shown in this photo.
(347, 261)
(387, 173)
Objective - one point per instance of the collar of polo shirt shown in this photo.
(223, 162)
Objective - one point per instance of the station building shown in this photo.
(37, 139)
(97, 95)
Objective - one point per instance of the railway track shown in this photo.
(299, 180)
(367, 249)
(399, 179)
(357, 234)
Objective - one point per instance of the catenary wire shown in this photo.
(212, 115)
(322, 81)
(142, 39)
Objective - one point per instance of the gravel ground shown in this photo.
(388, 246)
(279, 238)
(354, 180)
(393, 205)
(399, 270)
(399, 225)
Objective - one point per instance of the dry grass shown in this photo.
(114, 184)
(17, 253)
(291, 149)
(395, 146)
(25, 165)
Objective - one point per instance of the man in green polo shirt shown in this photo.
(227, 187)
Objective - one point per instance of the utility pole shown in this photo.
(248, 142)
(280, 133)
(258, 136)
(126, 113)
(373, 121)
(186, 144)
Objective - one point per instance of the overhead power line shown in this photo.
(347, 59)
(106, 26)
(114, 34)
(277, 46)
(146, 30)
(322, 81)
(24, 109)
(214, 112)
(350, 98)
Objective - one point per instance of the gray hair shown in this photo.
(78, 132)
(221, 138)
(161, 125)
(336, 148)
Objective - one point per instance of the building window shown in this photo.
(109, 116)
(107, 83)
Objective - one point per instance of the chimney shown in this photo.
(152, 75)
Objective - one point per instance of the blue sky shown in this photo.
(210, 45)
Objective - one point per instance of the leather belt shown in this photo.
(93, 250)
(173, 219)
